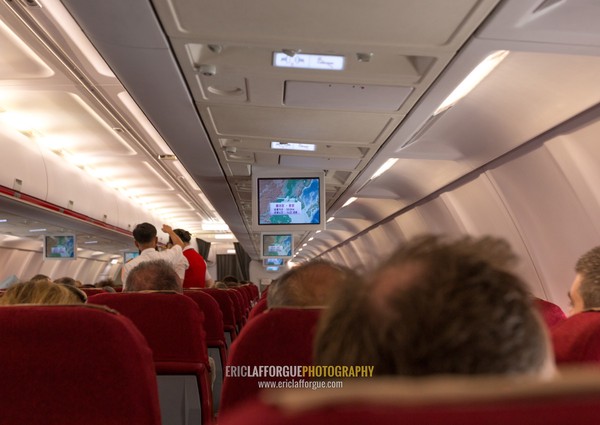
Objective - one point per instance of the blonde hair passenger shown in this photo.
(39, 292)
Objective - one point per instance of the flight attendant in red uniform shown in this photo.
(196, 275)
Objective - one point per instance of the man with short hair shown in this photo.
(311, 284)
(585, 289)
(438, 307)
(154, 275)
(146, 240)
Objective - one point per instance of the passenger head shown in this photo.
(108, 282)
(184, 235)
(585, 289)
(156, 275)
(41, 277)
(41, 292)
(311, 284)
(144, 235)
(438, 307)
(69, 281)
(231, 281)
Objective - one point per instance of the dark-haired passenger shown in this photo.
(585, 289)
(146, 240)
(196, 275)
(438, 307)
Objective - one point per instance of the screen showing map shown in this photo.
(61, 247)
(277, 245)
(289, 201)
(273, 262)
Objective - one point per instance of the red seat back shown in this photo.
(551, 313)
(260, 307)
(173, 325)
(577, 339)
(74, 365)
(227, 308)
(213, 316)
(279, 337)
(492, 402)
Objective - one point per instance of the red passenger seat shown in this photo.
(215, 337)
(279, 337)
(260, 307)
(228, 309)
(573, 398)
(551, 313)
(173, 325)
(577, 339)
(74, 365)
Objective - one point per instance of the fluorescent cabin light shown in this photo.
(114, 261)
(3, 220)
(310, 239)
(308, 61)
(473, 79)
(330, 219)
(308, 147)
(213, 226)
(37, 230)
(90, 242)
(349, 201)
(224, 236)
(386, 166)
(231, 251)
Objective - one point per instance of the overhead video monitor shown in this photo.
(272, 268)
(290, 201)
(273, 262)
(129, 255)
(276, 245)
(60, 247)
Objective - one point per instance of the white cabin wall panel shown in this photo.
(25, 163)
(438, 218)
(14, 262)
(411, 224)
(479, 209)
(258, 272)
(553, 223)
(578, 155)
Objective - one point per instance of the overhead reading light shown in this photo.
(472, 80)
(114, 261)
(308, 61)
(303, 245)
(349, 201)
(294, 146)
(310, 239)
(386, 166)
(330, 219)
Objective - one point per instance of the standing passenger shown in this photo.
(146, 240)
(196, 276)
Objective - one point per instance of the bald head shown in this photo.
(309, 285)
(157, 275)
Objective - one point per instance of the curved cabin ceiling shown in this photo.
(195, 101)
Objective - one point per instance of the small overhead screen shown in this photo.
(290, 201)
(273, 262)
(60, 247)
(276, 245)
(129, 255)
(272, 268)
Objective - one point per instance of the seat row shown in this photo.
(179, 333)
